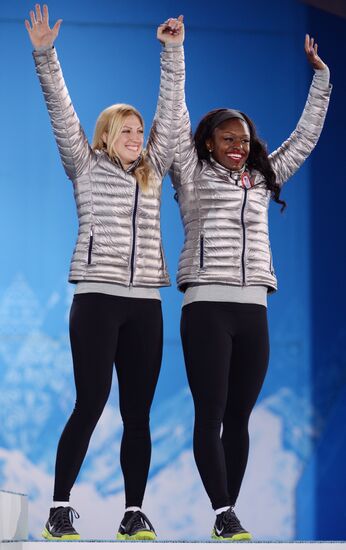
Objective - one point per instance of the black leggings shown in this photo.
(226, 352)
(105, 330)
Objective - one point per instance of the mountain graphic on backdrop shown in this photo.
(36, 370)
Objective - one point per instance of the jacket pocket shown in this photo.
(90, 248)
(164, 266)
(271, 267)
(201, 252)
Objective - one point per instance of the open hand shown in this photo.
(311, 53)
(172, 31)
(41, 35)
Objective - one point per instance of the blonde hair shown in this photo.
(111, 121)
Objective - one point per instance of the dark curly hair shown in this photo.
(258, 157)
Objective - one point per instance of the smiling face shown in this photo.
(129, 144)
(230, 144)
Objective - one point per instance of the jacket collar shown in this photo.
(243, 178)
(132, 166)
(118, 162)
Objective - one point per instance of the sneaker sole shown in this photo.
(141, 535)
(47, 535)
(238, 536)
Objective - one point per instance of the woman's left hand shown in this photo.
(172, 31)
(311, 53)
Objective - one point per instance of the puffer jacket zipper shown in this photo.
(134, 213)
(201, 252)
(244, 238)
(90, 249)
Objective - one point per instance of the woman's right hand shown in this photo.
(172, 31)
(41, 35)
(311, 53)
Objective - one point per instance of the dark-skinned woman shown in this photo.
(224, 181)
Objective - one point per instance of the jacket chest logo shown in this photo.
(246, 181)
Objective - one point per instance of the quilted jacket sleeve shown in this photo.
(294, 151)
(185, 159)
(163, 137)
(74, 149)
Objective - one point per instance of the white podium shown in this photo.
(13, 516)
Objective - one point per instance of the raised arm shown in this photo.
(185, 158)
(73, 146)
(164, 132)
(294, 151)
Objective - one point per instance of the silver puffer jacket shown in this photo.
(226, 224)
(119, 236)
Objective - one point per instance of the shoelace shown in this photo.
(231, 520)
(63, 517)
(138, 521)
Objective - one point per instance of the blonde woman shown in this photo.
(118, 265)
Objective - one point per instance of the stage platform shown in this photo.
(14, 535)
(164, 545)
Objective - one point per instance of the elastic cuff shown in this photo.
(167, 47)
(42, 50)
(323, 74)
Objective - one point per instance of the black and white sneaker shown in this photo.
(59, 525)
(136, 526)
(228, 527)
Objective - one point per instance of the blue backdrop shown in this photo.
(245, 55)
